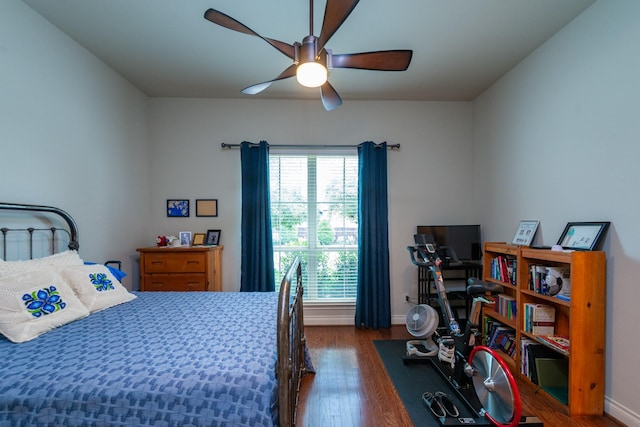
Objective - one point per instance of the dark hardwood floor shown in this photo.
(351, 386)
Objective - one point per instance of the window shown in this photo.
(314, 215)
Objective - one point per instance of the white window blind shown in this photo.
(314, 215)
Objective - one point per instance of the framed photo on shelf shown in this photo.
(525, 232)
(584, 236)
(177, 207)
(213, 238)
(198, 239)
(206, 207)
(185, 238)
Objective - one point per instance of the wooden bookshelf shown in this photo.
(581, 319)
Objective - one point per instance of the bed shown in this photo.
(155, 358)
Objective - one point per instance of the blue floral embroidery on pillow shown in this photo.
(101, 282)
(44, 301)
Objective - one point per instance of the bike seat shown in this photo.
(478, 287)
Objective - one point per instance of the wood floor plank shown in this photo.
(351, 387)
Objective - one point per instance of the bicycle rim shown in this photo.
(495, 386)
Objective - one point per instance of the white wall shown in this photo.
(554, 140)
(557, 140)
(73, 134)
(429, 177)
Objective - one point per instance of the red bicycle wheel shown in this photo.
(496, 388)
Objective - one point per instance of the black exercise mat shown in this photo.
(411, 380)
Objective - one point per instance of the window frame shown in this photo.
(310, 252)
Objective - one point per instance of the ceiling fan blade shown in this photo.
(335, 14)
(226, 21)
(257, 88)
(383, 60)
(329, 96)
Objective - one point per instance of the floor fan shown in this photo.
(422, 321)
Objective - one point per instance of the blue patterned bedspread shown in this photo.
(163, 359)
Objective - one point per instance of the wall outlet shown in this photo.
(406, 298)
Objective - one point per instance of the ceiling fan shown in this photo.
(311, 59)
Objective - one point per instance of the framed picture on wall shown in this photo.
(206, 207)
(177, 207)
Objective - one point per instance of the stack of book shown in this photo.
(550, 280)
(545, 367)
(504, 269)
(539, 319)
(506, 306)
(558, 343)
(500, 337)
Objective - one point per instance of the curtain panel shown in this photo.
(373, 303)
(256, 264)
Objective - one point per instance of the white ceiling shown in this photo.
(167, 49)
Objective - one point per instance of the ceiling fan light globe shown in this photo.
(311, 74)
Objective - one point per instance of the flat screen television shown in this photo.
(463, 239)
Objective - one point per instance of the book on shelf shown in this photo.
(512, 270)
(506, 306)
(504, 269)
(539, 319)
(537, 278)
(556, 342)
(508, 344)
(550, 281)
(530, 352)
(499, 336)
(525, 342)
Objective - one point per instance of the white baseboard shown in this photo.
(337, 316)
(621, 413)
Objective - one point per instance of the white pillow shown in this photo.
(96, 287)
(35, 302)
(61, 258)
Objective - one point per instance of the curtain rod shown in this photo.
(229, 146)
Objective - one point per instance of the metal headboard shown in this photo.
(73, 228)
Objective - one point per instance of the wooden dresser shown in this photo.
(187, 268)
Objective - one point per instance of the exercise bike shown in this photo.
(476, 374)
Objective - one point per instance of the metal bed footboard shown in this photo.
(290, 366)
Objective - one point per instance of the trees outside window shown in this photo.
(314, 215)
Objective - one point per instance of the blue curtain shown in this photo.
(256, 263)
(373, 304)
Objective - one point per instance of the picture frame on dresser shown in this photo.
(177, 208)
(198, 239)
(583, 236)
(185, 238)
(213, 237)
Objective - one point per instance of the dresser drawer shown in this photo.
(174, 282)
(186, 268)
(184, 262)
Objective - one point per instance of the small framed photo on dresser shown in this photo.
(185, 238)
(213, 237)
(198, 239)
